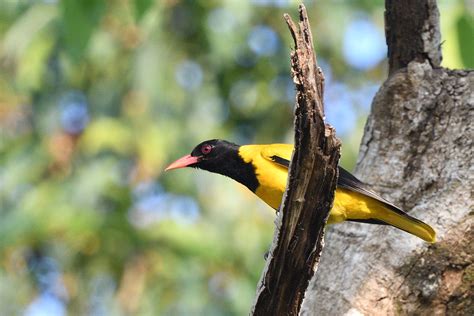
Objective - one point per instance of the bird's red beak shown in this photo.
(182, 162)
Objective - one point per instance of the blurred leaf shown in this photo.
(24, 30)
(465, 26)
(107, 134)
(141, 6)
(80, 19)
(33, 63)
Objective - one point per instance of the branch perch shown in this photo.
(298, 240)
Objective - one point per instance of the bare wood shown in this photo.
(298, 239)
(412, 33)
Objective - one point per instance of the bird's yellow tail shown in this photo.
(362, 207)
(403, 221)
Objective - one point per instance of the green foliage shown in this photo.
(96, 97)
(78, 20)
(465, 28)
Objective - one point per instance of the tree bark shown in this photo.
(412, 33)
(416, 151)
(298, 241)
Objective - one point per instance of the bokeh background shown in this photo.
(96, 97)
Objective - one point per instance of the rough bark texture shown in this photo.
(412, 32)
(417, 151)
(298, 240)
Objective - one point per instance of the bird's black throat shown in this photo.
(227, 161)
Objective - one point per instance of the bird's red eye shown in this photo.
(205, 149)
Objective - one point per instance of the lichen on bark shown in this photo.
(443, 284)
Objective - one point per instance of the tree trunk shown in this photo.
(417, 152)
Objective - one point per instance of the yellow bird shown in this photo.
(264, 170)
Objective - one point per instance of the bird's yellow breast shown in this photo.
(271, 177)
(272, 186)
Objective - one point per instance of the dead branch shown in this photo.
(298, 240)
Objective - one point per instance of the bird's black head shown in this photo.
(221, 157)
(213, 154)
(209, 155)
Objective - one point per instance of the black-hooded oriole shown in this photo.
(264, 170)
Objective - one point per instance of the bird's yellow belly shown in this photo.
(347, 205)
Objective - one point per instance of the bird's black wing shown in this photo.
(347, 181)
(280, 161)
